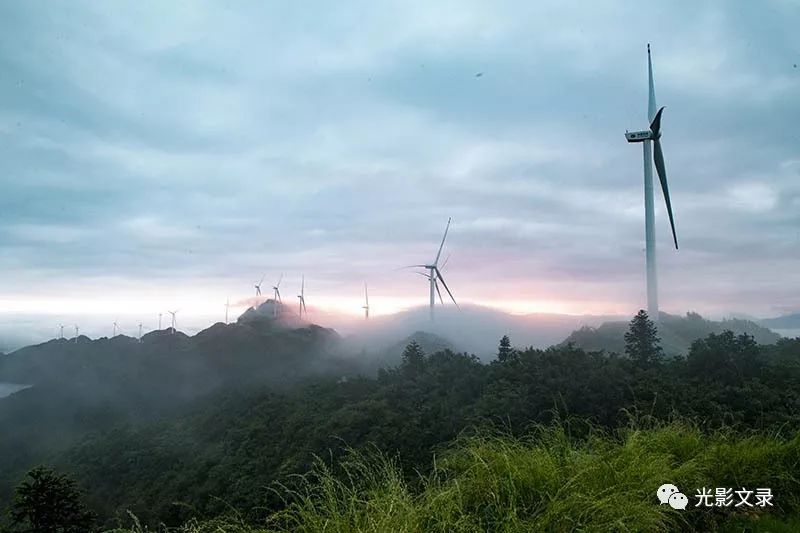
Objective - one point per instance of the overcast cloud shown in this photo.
(160, 152)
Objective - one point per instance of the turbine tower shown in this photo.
(258, 285)
(302, 297)
(116, 326)
(173, 313)
(140, 332)
(61, 331)
(159, 321)
(651, 147)
(276, 296)
(434, 276)
(227, 306)
(77, 331)
(365, 307)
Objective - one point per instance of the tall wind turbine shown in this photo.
(140, 332)
(159, 321)
(365, 307)
(116, 326)
(227, 306)
(77, 332)
(302, 297)
(651, 142)
(434, 275)
(173, 313)
(276, 296)
(258, 285)
(61, 331)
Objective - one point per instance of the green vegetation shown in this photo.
(583, 436)
(47, 502)
(547, 481)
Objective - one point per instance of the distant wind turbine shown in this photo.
(77, 332)
(116, 326)
(302, 297)
(140, 332)
(258, 285)
(173, 313)
(365, 307)
(159, 321)
(61, 331)
(434, 275)
(276, 296)
(227, 306)
(646, 137)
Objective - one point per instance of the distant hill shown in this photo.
(676, 332)
(472, 328)
(782, 322)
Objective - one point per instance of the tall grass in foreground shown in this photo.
(546, 482)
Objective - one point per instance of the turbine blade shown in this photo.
(442, 245)
(439, 292)
(262, 279)
(662, 177)
(655, 125)
(446, 259)
(426, 276)
(439, 275)
(279, 280)
(651, 97)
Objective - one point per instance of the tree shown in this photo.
(505, 352)
(642, 343)
(47, 502)
(413, 358)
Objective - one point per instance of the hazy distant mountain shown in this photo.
(676, 332)
(473, 329)
(782, 322)
(256, 349)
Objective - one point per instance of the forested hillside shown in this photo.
(227, 449)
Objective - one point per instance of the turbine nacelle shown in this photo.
(638, 136)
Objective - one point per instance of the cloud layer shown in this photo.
(176, 152)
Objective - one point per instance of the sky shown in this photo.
(167, 155)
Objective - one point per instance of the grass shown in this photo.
(545, 482)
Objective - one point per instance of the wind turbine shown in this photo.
(61, 331)
(227, 306)
(302, 297)
(116, 326)
(646, 137)
(434, 275)
(140, 332)
(159, 321)
(77, 331)
(173, 313)
(258, 285)
(365, 307)
(276, 296)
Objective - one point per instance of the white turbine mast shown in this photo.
(651, 147)
(173, 313)
(434, 276)
(61, 331)
(140, 332)
(365, 307)
(276, 296)
(227, 306)
(302, 297)
(77, 332)
(116, 326)
(159, 321)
